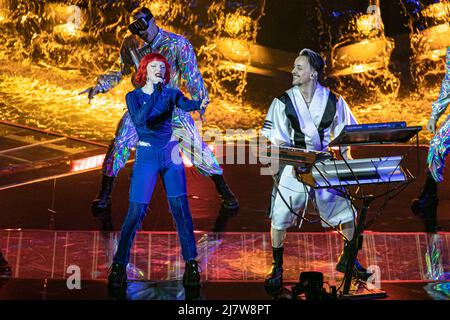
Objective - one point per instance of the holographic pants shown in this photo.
(190, 143)
(439, 149)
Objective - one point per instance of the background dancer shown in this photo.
(147, 37)
(426, 205)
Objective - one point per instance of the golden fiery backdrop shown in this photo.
(53, 50)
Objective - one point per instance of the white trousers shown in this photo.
(330, 203)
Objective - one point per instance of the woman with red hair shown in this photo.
(140, 78)
(150, 108)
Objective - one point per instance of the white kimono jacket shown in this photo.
(318, 125)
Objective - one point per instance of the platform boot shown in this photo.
(117, 277)
(425, 207)
(274, 279)
(102, 203)
(191, 276)
(359, 271)
(229, 200)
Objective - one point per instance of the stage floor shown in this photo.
(241, 256)
(46, 225)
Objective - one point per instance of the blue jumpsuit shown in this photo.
(157, 153)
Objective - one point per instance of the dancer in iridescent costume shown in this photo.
(426, 205)
(147, 37)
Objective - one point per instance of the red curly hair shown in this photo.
(141, 74)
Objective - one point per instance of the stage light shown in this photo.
(431, 43)
(86, 163)
(360, 56)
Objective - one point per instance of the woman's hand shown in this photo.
(92, 91)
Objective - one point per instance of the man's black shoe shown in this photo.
(358, 270)
(274, 279)
(229, 200)
(102, 203)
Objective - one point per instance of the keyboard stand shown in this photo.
(355, 245)
(368, 137)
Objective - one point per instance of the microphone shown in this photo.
(159, 87)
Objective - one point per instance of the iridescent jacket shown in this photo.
(176, 49)
(439, 106)
(440, 144)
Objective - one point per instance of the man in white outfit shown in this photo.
(307, 116)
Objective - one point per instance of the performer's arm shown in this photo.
(163, 108)
(188, 105)
(343, 117)
(123, 66)
(138, 113)
(440, 105)
(187, 62)
(276, 126)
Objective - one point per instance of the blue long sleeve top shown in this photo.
(152, 113)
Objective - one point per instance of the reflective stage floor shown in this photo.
(37, 254)
(48, 182)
